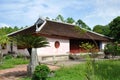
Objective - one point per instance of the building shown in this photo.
(63, 38)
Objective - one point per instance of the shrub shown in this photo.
(9, 56)
(112, 48)
(41, 72)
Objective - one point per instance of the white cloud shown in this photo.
(105, 11)
(26, 12)
(4, 25)
(32, 9)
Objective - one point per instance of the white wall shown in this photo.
(51, 50)
(103, 45)
(20, 51)
(5, 51)
(15, 49)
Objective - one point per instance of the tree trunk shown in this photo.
(1, 57)
(29, 50)
(33, 62)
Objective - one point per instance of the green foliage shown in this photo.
(41, 72)
(102, 29)
(90, 66)
(7, 30)
(70, 20)
(30, 41)
(80, 30)
(106, 30)
(3, 39)
(90, 63)
(8, 56)
(104, 70)
(87, 46)
(59, 18)
(108, 70)
(112, 48)
(98, 29)
(3, 35)
(11, 62)
(82, 24)
(115, 28)
(25, 78)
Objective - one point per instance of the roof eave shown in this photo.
(10, 34)
(36, 24)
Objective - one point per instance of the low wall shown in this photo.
(50, 58)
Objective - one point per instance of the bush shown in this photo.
(9, 56)
(112, 49)
(41, 72)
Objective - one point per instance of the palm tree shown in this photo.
(31, 42)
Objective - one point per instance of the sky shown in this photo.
(26, 12)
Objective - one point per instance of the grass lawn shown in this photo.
(105, 70)
(10, 63)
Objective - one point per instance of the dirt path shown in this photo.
(17, 72)
(13, 73)
(21, 70)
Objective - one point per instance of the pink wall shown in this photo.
(51, 50)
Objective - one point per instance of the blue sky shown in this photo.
(26, 12)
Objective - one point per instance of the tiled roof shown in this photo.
(53, 28)
(59, 29)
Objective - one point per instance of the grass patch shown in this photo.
(10, 63)
(25, 78)
(105, 70)
(108, 70)
(70, 73)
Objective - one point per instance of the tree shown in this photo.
(112, 49)
(106, 30)
(59, 18)
(3, 40)
(3, 37)
(47, 18)
(98, 29)
(31, 42)
(82, 25)
(115, 28)
(7, 30)
(70, 20)
(102, 29)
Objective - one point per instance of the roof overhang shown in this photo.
(56, 29)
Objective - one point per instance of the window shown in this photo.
(57, 44)
(3, 46)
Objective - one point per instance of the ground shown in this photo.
(17, 72)
(13, 73)
(21, 70)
